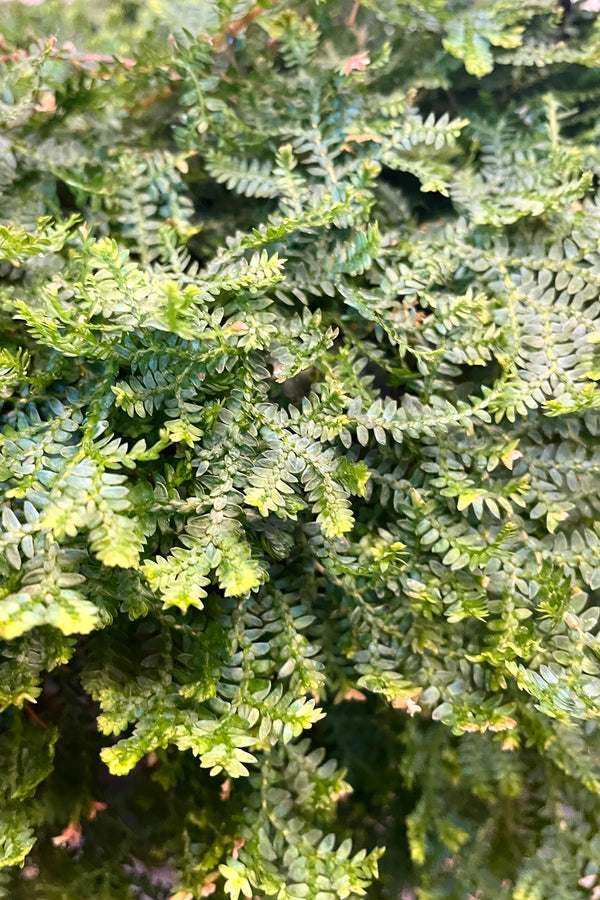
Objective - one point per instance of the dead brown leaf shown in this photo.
(70, 837)
(358, 62)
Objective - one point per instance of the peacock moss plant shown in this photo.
(299, 315)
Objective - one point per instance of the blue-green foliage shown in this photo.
(300, 320)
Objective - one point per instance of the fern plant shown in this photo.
(299, 541)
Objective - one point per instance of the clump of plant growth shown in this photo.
(300, 314)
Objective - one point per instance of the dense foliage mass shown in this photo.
(300, 320)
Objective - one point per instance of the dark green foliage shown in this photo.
(300, 320)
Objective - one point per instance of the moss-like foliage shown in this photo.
(299, 326)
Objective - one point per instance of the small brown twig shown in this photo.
(75, 56)
(235, 27)
(353, 14)
(31, 713)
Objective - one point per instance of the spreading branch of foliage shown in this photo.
(299, 316)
